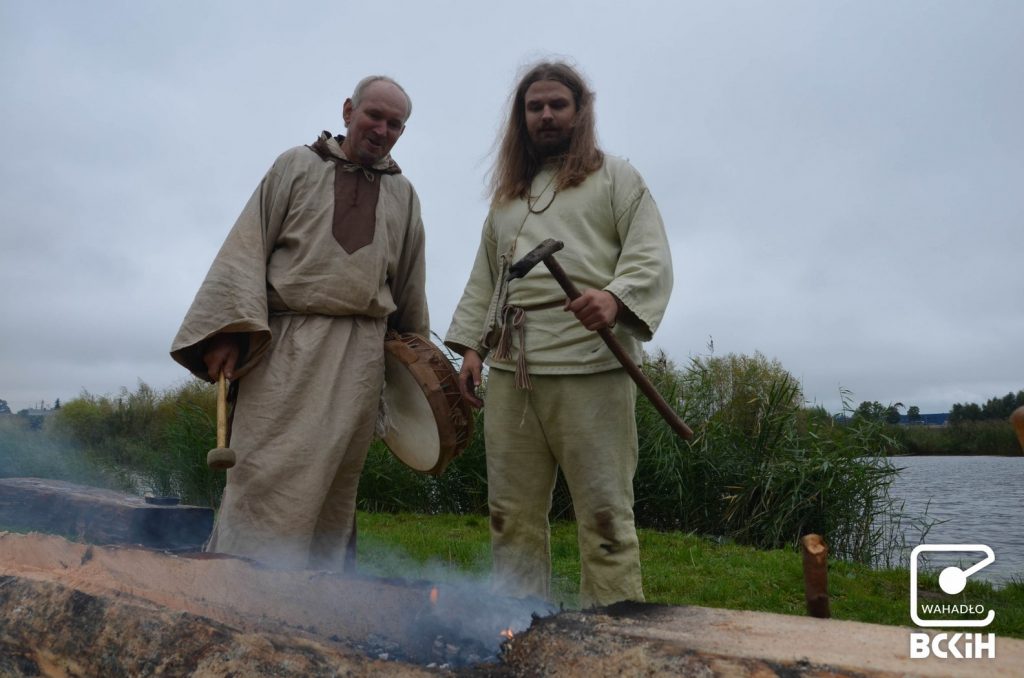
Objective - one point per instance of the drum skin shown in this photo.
(428, 421)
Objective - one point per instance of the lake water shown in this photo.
(981, 500)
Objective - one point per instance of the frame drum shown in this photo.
(429, 423)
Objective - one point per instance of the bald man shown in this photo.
(325, 258)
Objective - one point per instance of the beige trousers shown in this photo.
(586, 425)
(303, 423)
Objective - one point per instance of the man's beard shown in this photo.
(545, 149)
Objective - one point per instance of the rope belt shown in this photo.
(514, 320)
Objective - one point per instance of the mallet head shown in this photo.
(220, 458)
(533, 257)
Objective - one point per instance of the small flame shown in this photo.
(433, 596)
(506, 633)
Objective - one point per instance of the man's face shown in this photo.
(375, 125)
(550, 116)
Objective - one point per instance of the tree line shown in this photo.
(994, 408)
(5, 408)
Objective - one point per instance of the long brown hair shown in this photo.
(517, 163)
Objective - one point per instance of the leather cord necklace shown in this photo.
(530, 204)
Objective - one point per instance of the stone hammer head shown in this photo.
(533, 257)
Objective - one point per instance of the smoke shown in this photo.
(452, 615)
(469, 611)
(397, 609)
(27, 451)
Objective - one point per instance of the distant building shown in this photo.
(940, 419)
(923, 419)
(34, 412)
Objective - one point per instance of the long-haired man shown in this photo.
(556, 396)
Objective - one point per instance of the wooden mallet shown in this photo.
(221, 457)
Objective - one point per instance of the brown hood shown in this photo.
(328, 147)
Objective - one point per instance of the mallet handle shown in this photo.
(645, 385)
(222, 411)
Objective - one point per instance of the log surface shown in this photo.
(643, 639)
(61, 600)
(54, 630)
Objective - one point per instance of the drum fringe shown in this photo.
(383, 423)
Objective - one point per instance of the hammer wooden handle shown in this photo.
(645, 385)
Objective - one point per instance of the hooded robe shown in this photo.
(324, 258)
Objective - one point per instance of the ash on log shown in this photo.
(376, 616)
(56, 630)
(100, 516)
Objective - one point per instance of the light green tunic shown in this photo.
(614, 240)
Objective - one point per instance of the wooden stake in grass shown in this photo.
(816, 575)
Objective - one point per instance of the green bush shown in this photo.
(147, 441)
(761, 470)
(188, 432)
(26, 452)
(388, 485)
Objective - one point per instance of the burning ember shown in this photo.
(467, 625)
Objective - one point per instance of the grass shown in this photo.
(678, 569)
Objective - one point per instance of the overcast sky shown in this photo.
(841, 181)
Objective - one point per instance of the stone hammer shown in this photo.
(545, 252)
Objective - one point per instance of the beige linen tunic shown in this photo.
(314, 315)
(579, 413)
(614, 240)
